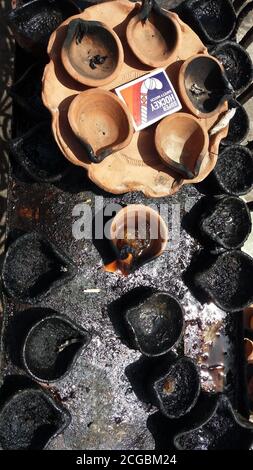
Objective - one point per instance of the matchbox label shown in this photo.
(149, 98)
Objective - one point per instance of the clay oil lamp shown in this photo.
(237, 64)
(92, 53)
(227, 223)
(213, 20)
(101, 122)
(248, 347)
(40, 158)
(154, 324)
(30, 419)
(177, 391)
(182, 143)
(138, 234)
(33, 267)
(52, 346)
(203, 85)
(26, 92)
(233, 172)
(227, 280)
(223, 429)
(154, 35)
(239, 124)
(34, 22)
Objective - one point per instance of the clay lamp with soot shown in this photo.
(203, 85)
(92, 53)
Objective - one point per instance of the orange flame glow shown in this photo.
(122, 265)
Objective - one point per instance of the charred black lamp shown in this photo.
(227, 223)
(30, 419)
(213, 20)
(227, 280)
(40, 157)
(34, 22)
(233, 171)
(52, 346)
(177, 391)
(155, 323)
(223, 429)
(33, 267)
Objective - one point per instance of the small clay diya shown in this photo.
(182, 143)
(177, 391)
(138, 234)
(239, 124)
(227, 281)
(237, 64)
(102, 123)
(30, 419)
(223, 429)
(92, 52)
(213, 20)
(234, 170)
(155, 324)
(227, 223)
(203, 85)
(52, 346)
(154, 35)
(33, 22)
(33, 267)
(40, 158)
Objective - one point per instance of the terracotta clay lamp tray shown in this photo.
(136, 167)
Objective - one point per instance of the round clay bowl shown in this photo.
(155, 41)
(101, 121)
(142, 230)
(92, 53)
(203, 86)
(182, 143)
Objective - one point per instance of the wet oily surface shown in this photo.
(101, 390)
